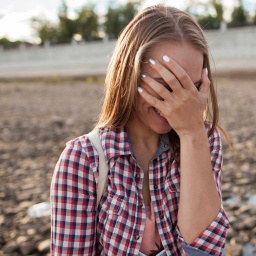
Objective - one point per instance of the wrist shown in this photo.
(200, 135)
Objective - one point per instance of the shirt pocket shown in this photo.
(111, 218)
(116, 205)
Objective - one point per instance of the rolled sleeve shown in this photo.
(212, 240)
(73, 203)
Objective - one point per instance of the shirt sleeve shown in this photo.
(212, 240)
(73, 203)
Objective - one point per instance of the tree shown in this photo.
(86, 24)
(113, 24)
(219, 10)
(45, 30)
(7, 44)
(209, 22)
(239, 17)
(117, 18)
(66, 28)
(254, 19)
(209, 14)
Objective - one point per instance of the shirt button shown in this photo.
(155, 186)
(137, 176)
(165, 145)
(161, 217)
(137, 237)
(140, 204)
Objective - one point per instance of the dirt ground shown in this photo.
(37, 119)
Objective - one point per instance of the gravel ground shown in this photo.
(38, 118)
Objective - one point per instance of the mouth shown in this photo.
(159, 112)
(160, 116)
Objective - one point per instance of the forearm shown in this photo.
(199, 200)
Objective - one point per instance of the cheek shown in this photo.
(141, 103)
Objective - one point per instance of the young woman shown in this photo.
(158, 132)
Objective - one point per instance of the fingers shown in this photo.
(161, 88)
(205, 87)
(205, 82)
(153, 101)
(168, 76)
(177, 78)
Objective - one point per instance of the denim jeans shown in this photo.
(162, 253)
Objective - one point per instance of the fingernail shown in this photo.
(166, 58)
(143, 75)
(152, 62)
(140, 90)
(206, 71)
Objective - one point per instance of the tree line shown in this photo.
(87, 25)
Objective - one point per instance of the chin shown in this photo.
(162, 130)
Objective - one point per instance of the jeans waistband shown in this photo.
(162, 253)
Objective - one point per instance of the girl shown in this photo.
(159, 136)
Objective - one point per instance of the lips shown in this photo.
(160, 116)
(159, 112)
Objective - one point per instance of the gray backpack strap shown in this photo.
(103, 167)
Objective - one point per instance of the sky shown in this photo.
(15, 15)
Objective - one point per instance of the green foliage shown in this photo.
(87, 24)
(66, 29)
(239, 17)
(219, 10)
(117, 18)
(7, 44)
(46, 30)
(208, 20)
(254, 19)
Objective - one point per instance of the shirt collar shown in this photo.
(115, 142)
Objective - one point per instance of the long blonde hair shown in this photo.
(153, 25)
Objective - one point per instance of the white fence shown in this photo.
(233, 48)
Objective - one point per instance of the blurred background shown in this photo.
(53, 59)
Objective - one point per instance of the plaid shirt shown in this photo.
(117, 226)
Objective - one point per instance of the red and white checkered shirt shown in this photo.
(117, 226)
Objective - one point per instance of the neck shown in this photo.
(142, 136)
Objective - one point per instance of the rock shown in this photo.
(241, 238)
(31, 231)
(27, 248)
(245, 223)
(21, 239)
(44, 246)
(2, 218)
(234, 250)
(46, 229)
(227, 187)
(231, 233)
(10, 247)
(244, 181)
(243, 209)
(249, 223)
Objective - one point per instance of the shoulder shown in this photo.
(80, 150)
(84, 145)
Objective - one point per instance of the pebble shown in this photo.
(44, 246)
